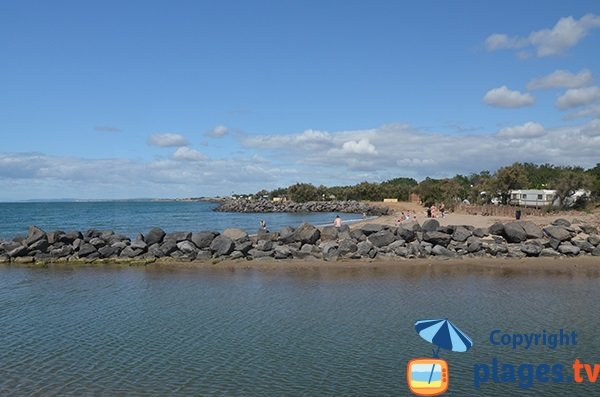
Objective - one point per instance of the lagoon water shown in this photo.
(249, 332)
(132, 217)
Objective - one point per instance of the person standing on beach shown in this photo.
(442, 208)
(338, 221)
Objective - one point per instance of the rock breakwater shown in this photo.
(410, 240)
(264, 205)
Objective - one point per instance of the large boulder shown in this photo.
(203, 239)
(286, 235)
(461, 234)
(531, 229)
(561, 222)
(480, 232)
(371, 228)
(129, 252)
(381, 238)
(155, 235)
(235, 234)
(222, 245)
(531, 249)
(594, 239)
(497, 229)
(514, 232)
(346, 247)
(568, 249)
(168, 247)
(86, 250)
(588, 229)
(437, 238)
(438, 250)
(329, 233)
(430, 225)
(187, 248)
(411, 225)
(178, 236)
(34, 234)
(557, 232)
(583, 245)
(306, 234)
(406, 234)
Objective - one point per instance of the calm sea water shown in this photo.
(143, 332)
(132, 217)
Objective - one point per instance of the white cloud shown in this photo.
(505, 98)
(527, 130)
(218, 131)
(186, 154)
(565, 34)
(577, 97)
(591, 111)
(167, 140)
(361, 146)
(561, 78)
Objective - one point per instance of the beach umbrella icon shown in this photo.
(443, 334)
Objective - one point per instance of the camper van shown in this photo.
(532, 197)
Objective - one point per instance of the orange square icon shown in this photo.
(427, 376)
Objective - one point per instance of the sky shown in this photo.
(165, 99)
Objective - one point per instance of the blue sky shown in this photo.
(122, 99)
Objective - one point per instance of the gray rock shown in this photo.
(371, 228)
(155, 235)
(530, 249)
(364, 248)
(222, 245)
(119, 245)
(40, 245)
(557, 232)
(447, 229)
(330, 251)
(307, 234)
(496, 229)
(203, 239)
(596, 251)
(437, 238)
(425, 248)
(461, 234)
(235, 234)
(438, 250)
(155, 251)
(412, 226)
(263, 234)
(129, 252)
(243, 246)
(531, 229)
(496, 249)
(594, 240)
(61, 252)
(514, 232)
(236, 255)
(139, 244)
(308, 251)
(282, 252)
(474, 246)
(568, 249)
(583, 245)
(86, 249)
(549, 252)
(187, 248)
(357, 235)
(329, 233)
(70, 237)
(381, 238)
(286, 235)
(588, 229)
(178, 236)
(203, 255)
(430, 225)
(561, 222)
(264, 245)
(168, 247)
(515, 252)
(21, 250)
(97, 242)
(34, 234)
(480, 232)
(407, 234)
(347, 247)
(107, 251)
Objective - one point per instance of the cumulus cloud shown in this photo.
(218, 131)
(167, 140)
(527, 130)
(566, 33)
(361, 146)
(561, 78)
(590, 111)
(184, 153)
(506, 98)
(577, 97)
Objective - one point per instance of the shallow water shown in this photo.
(101, 331)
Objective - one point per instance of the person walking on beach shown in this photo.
(442, 208)
(338, 221)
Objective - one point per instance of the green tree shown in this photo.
(569, 182)
(509, 178)
(303, 192)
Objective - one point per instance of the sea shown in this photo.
(132, 217)
(143, 331)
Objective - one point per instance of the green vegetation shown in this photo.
(477, 188)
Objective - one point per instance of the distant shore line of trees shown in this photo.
(477, 188)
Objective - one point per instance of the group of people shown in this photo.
(406, 216)
(434, 212)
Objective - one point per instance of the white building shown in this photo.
(533, 197)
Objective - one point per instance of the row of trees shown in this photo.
(476, 188)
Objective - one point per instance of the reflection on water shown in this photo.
(288, 332)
